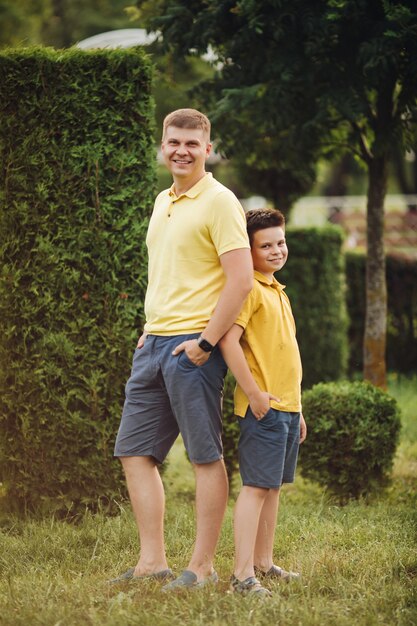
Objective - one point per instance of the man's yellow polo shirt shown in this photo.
(270, 346)
(186, 236)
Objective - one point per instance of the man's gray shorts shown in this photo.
(268, 448)
(166, 395)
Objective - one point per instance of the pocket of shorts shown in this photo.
(136, 354)
(269, 420)
(185, 362)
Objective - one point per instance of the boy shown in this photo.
(262, 352)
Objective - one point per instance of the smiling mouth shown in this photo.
(181, 162)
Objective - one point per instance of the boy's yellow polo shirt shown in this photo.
(270, 346)
(186, 236)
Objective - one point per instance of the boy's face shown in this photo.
(185, 151)
(269, 250)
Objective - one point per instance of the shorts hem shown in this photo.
(205, 462)
(275, 486)
(258, 486)
(136, 454)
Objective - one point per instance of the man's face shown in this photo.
(185, 151)
(269, 250)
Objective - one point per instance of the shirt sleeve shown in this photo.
(248, 309)
(228, 223)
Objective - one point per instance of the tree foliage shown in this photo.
(59, 23)
(274, 159)
(298, 74)
(298, 79)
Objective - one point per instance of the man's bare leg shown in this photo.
(211, 500)
(147, 497)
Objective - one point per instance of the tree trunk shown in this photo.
(376, 289)
(280, 201)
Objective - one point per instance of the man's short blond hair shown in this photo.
(187, 118)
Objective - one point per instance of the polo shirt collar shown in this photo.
(261, 278)
(194, 191)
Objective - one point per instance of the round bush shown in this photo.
(353, 431)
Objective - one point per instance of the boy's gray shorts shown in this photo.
(268, 448)
(168, 394)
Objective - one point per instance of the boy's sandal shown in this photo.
(278, 572)
(188, 580)
(249, 586)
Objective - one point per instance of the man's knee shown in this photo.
(131, 463)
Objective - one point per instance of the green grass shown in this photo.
(358, 562)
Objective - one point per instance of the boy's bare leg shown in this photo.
(211, 501)
(247, 513)
(147, 497)
(264, 546)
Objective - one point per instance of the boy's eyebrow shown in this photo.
(270, 241)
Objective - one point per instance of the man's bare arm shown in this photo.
(238, 269)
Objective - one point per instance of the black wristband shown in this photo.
(204, 344)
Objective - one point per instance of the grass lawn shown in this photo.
(359, 562)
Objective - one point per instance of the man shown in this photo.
(200, 272)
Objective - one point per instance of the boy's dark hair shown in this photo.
(258, 219)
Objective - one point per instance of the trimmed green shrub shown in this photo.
(314, 275)
(353, 431)
(401, 276)
(77, 186)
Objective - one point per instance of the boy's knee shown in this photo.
(212, 466)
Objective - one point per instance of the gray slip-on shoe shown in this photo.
(188, 580)
(164, 574)
(278, 573)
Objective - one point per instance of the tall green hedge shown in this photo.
(76, 188)
(401, 274)
(315, 283)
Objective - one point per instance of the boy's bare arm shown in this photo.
(303, 428)
(233, 355)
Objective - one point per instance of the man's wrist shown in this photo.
(205, 345)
